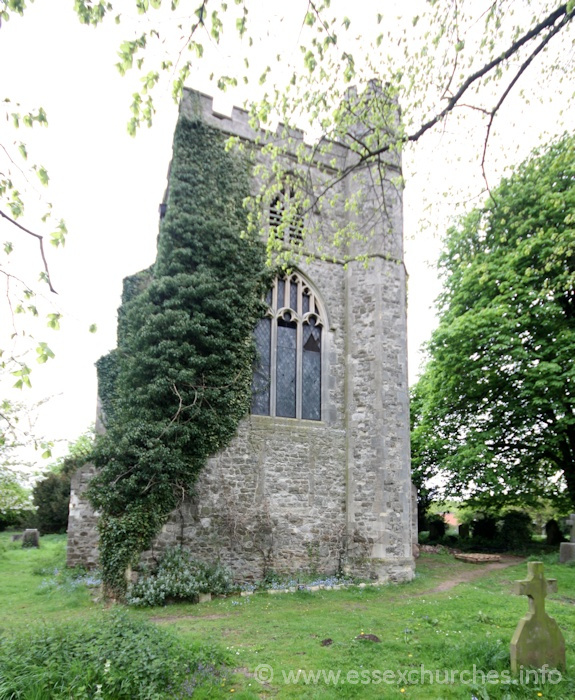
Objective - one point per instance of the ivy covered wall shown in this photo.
(179, 382)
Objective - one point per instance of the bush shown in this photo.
(485, 528)
(115, 658)
(492, 532)
(17, 519)
(437, 527)
(516, 529)
(52, 498)
(178, 578)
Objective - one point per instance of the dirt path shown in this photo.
(472, 574)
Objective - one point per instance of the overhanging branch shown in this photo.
(560, 12)
(551, 22)
(40, 242)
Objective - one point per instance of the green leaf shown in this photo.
(241, 25)
(42, 174)
(44, 353)
(24, 377)
(54, 321)
(58, 237)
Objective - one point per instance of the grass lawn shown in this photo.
(272, 643)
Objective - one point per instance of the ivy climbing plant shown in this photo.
(180, 380)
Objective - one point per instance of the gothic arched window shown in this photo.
(287, 376)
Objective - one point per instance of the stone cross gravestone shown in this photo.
(567, 549)
(537, 640)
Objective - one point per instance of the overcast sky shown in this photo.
(108, 186)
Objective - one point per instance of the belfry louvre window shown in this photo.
(287, 376)
(285, 218)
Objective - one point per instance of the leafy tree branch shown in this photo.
(40, 240)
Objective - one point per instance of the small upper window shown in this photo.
(287, 376)
(285, 218)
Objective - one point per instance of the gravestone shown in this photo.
(567, 549)
(31, 538)
(553, 532)
(537, 640)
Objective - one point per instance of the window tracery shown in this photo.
(287, 376)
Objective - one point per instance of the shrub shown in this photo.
(437, 527)
(115, 658)
(52, 498)
(485, 528)
(516, 529)
(178, 578)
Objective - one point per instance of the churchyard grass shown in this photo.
(34, 583)
(424, 632)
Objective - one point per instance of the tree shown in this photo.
(495, 409)
(443, 58)
(440, 60)
(17, 431)
(15, 500)
(19, 200)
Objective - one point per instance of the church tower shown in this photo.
(317, 477)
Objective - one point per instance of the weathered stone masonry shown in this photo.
(291, 494)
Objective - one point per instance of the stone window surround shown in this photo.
(319, 313)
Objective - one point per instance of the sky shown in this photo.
(108, 185)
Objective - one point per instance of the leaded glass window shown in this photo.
(287, 375)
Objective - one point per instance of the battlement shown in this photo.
(195, 104)
(199, 104)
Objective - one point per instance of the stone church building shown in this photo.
(317, 477)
